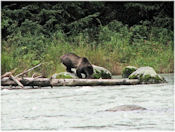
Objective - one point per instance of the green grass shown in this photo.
(113, 50)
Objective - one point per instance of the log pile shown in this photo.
(9, 80)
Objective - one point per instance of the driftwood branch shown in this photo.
(7, 74)
(24, 72)
(35, 75)
(15, 80)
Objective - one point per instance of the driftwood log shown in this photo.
(44, 82)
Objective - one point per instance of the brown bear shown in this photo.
(81, 64)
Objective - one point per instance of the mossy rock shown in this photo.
(147, 75)
(101, 72)
(128, 70)
(64, 75)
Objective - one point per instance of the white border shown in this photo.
(82, 1)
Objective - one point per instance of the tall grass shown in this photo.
(117, 46)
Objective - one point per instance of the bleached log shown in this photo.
(92, 82)
(44, 82)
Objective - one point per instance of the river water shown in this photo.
(83, 107)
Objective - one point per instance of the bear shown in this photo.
(82, 65)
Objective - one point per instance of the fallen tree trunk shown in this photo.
(44, 82)
(93, 82)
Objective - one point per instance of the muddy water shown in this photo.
(69, 108)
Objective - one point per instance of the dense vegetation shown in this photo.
(109, 34)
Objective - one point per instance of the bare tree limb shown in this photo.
(28, 70)
(15, 80)
(7, 74)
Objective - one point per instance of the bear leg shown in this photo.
(69, 70)
(78, 73)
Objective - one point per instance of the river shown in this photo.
(83, 107)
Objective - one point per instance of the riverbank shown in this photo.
(113, 55)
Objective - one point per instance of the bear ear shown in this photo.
(84, 59)
(90, 67)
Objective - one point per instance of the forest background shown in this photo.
(110, 34)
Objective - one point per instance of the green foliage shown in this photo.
(82, 23)
(101, 74)
(63, 77)
(127, 71)
(109, 34)
(6, 62)
(148, 78)
(139, 33)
